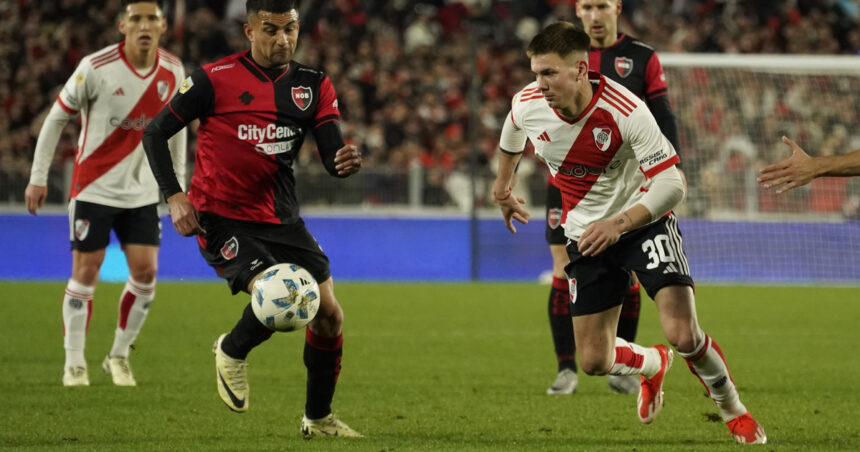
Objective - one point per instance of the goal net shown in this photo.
(731, 112)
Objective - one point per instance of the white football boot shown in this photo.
(231, 376)
(327, 426)
(76, 376)
(119, 370)
(624, 384)
(565, 383)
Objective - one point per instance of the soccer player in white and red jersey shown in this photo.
(117, 91)
(635, 66)
(618, 181)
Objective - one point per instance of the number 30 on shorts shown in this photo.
(658, 250)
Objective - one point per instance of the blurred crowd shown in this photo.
(407, 71)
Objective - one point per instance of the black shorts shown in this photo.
(239, 250)
(90, 225)
(654, 252)
(554, 217)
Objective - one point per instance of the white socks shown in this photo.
(131, 313)
(634, 359)
(77, 308)
(707, 363)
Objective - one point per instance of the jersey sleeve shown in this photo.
(652, 149)
(655, 79)
(513, 137)
(75, 96)
(79, 89)
(657, 98)
(195, 98)
(179, 145)
(327, 109)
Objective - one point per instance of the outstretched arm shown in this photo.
(799, 169)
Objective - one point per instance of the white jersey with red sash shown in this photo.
(116, 102)
(602, 161)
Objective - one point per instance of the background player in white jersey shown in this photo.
(117, 91)
(618, 180)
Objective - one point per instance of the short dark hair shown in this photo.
(125, 3)
(272, 6)
(562, 38)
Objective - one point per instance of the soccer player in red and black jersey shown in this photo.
(255, 108)
(634, 65)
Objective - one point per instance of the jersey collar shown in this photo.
(131, 66)
(621, 37)
(260, 72)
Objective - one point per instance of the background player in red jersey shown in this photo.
(634, 65)
(617, 175)
(117, 90)
(799, 169)
(255, 109)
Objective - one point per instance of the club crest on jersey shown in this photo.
(82, 228)
(623, 66)
(230, 248)
(553, 218)
(163, 89)
(302, 97)
(602, 137)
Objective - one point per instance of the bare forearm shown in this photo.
(505, 174)
(838, 165)
(632, 218)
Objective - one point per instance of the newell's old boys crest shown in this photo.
(230, 248)
(82, 228)
(602, 137)
(623, 66)
(553, 218)
(302, 97)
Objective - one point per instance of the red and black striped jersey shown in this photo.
(631, 63)
(252, 125)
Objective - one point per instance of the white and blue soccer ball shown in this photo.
(286, 297)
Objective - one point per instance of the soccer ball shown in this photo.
(286, 297)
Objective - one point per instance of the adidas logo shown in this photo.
(119, 92)
(544, 137)
(670, 269)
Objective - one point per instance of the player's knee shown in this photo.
(594, 365)
(683, 341)
(87, 275)
(336, 317)
(329, 320)
(144, 274)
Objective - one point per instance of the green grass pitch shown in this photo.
(426, 367)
